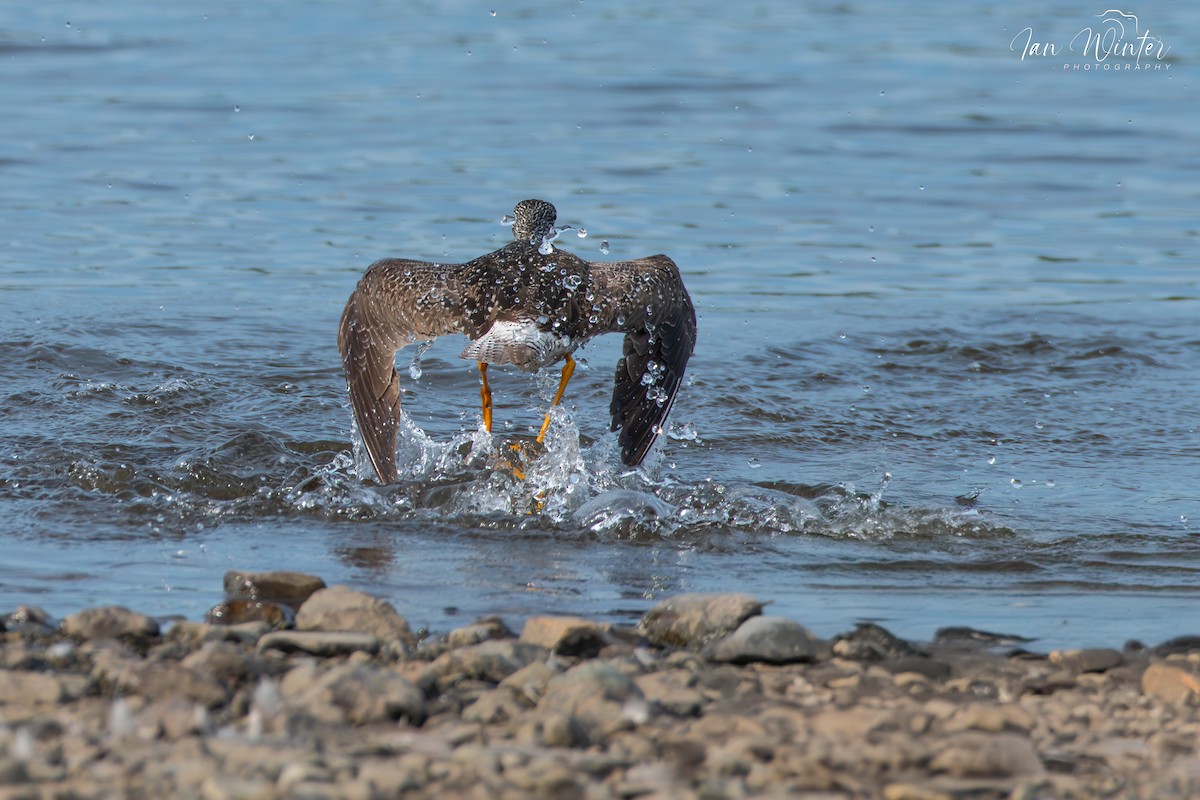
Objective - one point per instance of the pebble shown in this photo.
(773, 640)
(340, 608)
(110, 622)
(1097, 659)
(244, 711)
(1170, 683)
(871, 642)
(693, 620)
(568, 636)
(490, 661)
(976, 755)
(481, 631)
(288, 588)
(320, 643)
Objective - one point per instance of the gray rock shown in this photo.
(530, 680)
(155, 680)
(976, 755)
(494, 706)
(363, 693)
(1095, 659)
(319, 643)
(340, 608)
(227, 663)
(773, 640)
(568, 636)
(110, 622)
(481, 631)
(23, 687)
(289, 588)
(599, 697)
(871, 642)
(693, 620)
(1170, 683)
(491, 661)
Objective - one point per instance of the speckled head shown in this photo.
(534, 221)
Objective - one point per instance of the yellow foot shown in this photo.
(515, 457)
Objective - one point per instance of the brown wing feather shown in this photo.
(396, 303)
(646, 300)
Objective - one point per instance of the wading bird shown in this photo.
(529, 304)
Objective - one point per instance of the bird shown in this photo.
(529, 304)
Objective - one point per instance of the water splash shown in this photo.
(414, 368)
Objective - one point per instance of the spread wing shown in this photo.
(396, 303)
(646, 300)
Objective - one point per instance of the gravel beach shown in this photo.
(293, 689)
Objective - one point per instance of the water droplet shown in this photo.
(250, 137)
(921, 188)
(571, 282)
(492, 12)
(1015, 482)
(604, 248)
(237, 109)
(1039, 425)
(68, 24)
(581, 233)
(866, 388)
(870, 228)
(620, 319)
(507, 219)
(545, 248)
(841, 336)
(991, 459)
(882, 92)
(754, 462)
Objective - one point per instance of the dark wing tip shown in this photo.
(650, 372)
(374, 388)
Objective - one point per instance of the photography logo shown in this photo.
(1116, 43)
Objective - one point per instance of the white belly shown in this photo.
(518, 342)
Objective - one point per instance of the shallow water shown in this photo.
(948, 359)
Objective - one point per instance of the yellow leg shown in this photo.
(567, 371)
(485, 394)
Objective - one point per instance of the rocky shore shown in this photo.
(291, 689)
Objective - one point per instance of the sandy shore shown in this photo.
(705, 698)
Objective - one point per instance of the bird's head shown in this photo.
(533, 221)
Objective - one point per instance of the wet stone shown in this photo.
(963, 635)
(319, 643)
(110, 622)
(568, 636)
(772, 640)
(693, 620)
(871, 642)
(289, 588)
(236, 612)
(340, 608)
(1177, 645)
